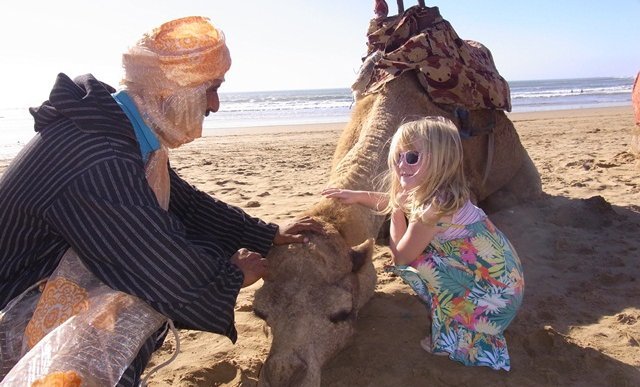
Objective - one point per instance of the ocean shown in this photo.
(286, 107)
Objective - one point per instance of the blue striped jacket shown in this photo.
(80, 183)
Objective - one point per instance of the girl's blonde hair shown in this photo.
(444, 185)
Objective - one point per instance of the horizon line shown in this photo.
(221, 92)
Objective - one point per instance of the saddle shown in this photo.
(452, 71)
(458, 75)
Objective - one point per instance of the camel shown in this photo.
(313, 293)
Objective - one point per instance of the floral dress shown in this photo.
(473, 287)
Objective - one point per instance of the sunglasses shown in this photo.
(409, 157)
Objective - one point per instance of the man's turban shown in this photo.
(185, 52)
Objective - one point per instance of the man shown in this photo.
(96, 179)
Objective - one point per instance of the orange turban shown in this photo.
(185, 52)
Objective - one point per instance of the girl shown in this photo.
(444, 247)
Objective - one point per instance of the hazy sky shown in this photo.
(295, 44)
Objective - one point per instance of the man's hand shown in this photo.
(252, 265)
(290, 233)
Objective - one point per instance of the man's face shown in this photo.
(213, 101)
(177, 115)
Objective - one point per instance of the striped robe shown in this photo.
(80, 183)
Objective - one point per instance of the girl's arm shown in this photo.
(374, 200)
(407, 242)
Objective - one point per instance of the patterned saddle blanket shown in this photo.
(451, 70)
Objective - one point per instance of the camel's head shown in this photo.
(310, 299)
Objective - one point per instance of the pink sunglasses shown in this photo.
(409, 157)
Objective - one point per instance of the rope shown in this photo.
(143, 383)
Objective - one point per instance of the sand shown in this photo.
(580, 247)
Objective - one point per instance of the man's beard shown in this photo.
(176, 119)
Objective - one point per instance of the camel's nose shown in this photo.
(289, 371)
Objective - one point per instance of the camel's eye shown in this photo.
(260, 314)
(340, 316)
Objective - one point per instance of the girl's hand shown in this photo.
(370, 199)
(403, 196)
(346, 196)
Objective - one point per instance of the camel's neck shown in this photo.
(361, 155)
(370, 131)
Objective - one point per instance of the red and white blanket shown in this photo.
(452, 70)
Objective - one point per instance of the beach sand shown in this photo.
(579, 244)
(580, 247)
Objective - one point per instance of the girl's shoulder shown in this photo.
(465, 215)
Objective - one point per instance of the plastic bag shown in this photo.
(81, 331)
(13, 322)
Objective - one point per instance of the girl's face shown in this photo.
(410, 167)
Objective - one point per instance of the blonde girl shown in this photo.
(463, 268)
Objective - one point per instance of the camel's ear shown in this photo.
(360, 254)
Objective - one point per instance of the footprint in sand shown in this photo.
(586, 164)
(227, 181)
(244, 307)
(223, 373)
(610, 279)
(627, 319)
(579, 162)
(245, 172)
(624, 158)
(632, 341)
(542, 341)
(227, 190)
(606, 165)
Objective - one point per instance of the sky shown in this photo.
(311, 44)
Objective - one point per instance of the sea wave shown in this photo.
(283, 107)
(571, 92)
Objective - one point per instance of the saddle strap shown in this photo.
(466, 131)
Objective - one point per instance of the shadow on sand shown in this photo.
(581, 261)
